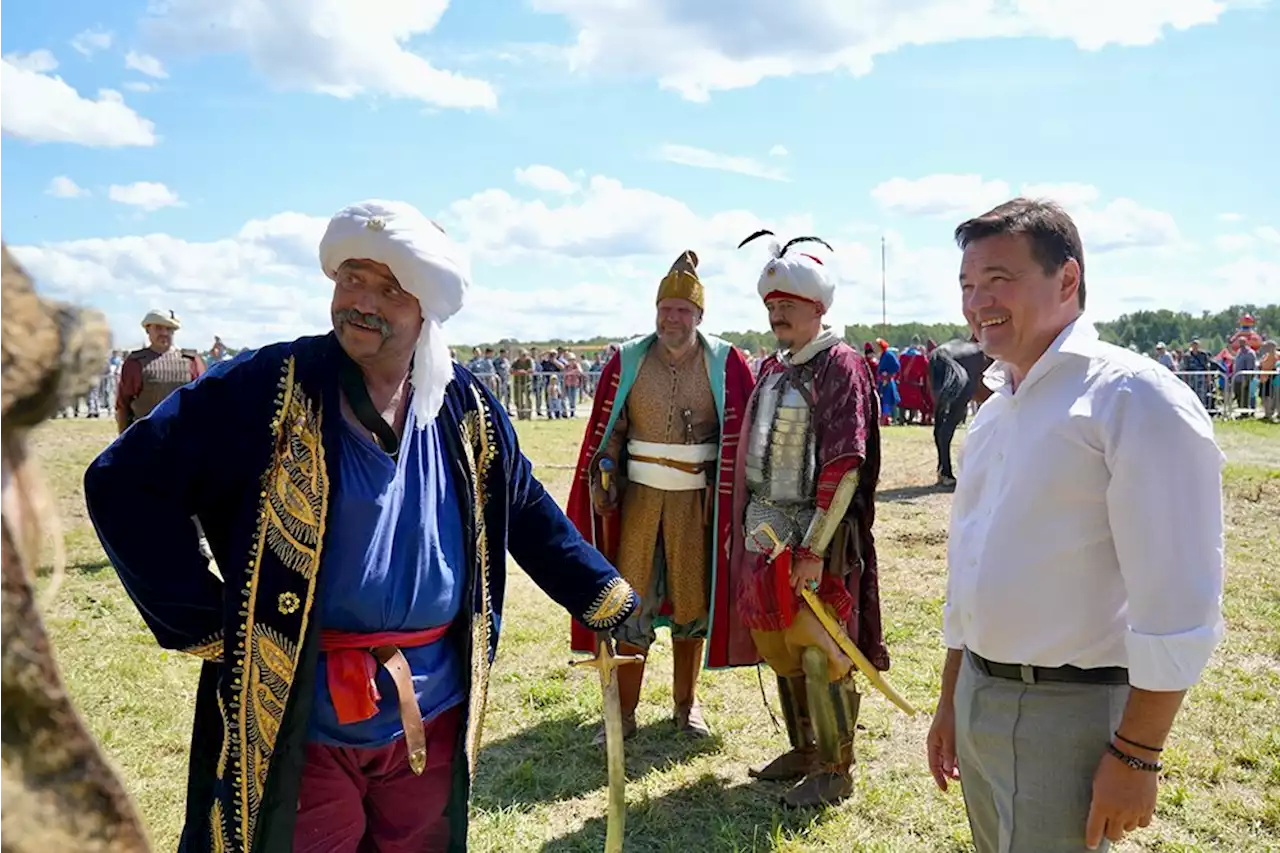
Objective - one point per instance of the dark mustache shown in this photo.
(351, 315)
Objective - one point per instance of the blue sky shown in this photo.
(577, 147)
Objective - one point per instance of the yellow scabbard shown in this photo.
(859, 659)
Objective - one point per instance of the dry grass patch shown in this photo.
(540, 784)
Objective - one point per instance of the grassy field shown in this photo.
(540, 785)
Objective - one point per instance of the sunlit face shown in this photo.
(677, 323)
(795, 322)
(372, 315)
(1012, 305)
(160, 337)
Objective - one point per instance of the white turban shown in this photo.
(791, 271)
(426, 263)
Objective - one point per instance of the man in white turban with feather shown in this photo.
(360, 493)
(804, 504)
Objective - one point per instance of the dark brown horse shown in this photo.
(955, 378)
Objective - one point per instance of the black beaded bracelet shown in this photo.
(1133, 761)
(1138, 745)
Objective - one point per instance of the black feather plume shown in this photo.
(795, 240)
(762, 232)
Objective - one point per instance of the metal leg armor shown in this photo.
(833, 707)
(803, 756)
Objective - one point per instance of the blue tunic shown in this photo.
(392, 563)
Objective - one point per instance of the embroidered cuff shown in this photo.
(210, 649)
(612, 606)
(1170, 661)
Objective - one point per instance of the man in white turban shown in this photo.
(360, 492)
(804, 503)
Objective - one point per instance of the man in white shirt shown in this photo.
(1076, 618)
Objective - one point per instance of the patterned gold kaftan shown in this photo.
(670, 403)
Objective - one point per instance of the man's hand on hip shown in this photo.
(1123, 800)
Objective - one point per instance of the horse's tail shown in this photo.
(948, 376)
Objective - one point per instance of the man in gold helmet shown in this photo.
(653, 490)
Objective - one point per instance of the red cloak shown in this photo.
(604, 531)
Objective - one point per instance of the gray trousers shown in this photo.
(1027, 755)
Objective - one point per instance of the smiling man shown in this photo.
(360, 493)
(807, 481)
(661, 433)
(1076, 617)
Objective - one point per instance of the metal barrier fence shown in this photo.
(1246, 393)
(538, 393)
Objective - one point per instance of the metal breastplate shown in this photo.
(781, 461)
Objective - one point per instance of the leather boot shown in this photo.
(802, 759)
(688, 661)
(630, 680)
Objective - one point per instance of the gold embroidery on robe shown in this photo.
(478, 442)
(609, 604)
(291, 523)
(210, 649)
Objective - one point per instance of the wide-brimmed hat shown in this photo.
(53, 352)
(156, 317)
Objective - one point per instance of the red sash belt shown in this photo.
(352, 667)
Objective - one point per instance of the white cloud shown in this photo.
(943, 196)
(147, 195)
(1230, 217)
(589, 263)
(1234, 243)
(334, 47)
(700, 158)
(698, 48)
(41, 108)
(64, 187)
(546, 179)
(36, 62)
(1119, 224)
(89, 42)
(145, 64)
(1268, 234)
(140, 86)
(778, 151)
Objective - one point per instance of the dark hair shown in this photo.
(1053, 235)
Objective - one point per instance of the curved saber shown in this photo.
(837, 633)
(605, 662)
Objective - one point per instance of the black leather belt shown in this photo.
(1035, 674)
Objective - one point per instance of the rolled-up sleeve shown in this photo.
(1164, 503)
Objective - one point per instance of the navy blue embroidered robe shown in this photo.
(251, 450)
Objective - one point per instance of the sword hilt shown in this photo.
(778, 545)
(605, 660)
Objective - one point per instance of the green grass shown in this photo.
(540, 784)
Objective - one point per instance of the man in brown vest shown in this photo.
(149, 375)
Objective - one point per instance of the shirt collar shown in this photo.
(1079, 338)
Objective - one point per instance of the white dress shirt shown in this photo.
(1061, 549)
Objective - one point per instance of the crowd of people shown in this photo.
(1239, 381)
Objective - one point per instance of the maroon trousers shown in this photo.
(356, 800)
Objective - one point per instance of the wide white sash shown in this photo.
(662, 477)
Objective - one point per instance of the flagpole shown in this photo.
(884, 311)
